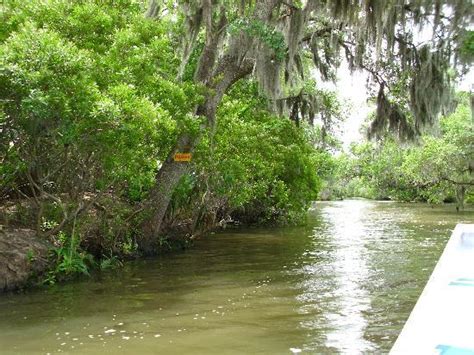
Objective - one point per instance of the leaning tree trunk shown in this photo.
(230, 69)
(171, 171)
(218, 74)
(159, 198)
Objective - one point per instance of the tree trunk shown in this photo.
(166, 180)
(460, 194)
(218, 74)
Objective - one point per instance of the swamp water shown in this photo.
(344, 283)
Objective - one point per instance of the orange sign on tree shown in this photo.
(182, 157)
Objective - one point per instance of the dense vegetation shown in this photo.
(86, 120)
(439, 167)
(97, 97)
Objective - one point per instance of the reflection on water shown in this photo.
(346, 225)
(345, 283)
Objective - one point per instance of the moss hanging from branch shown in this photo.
(389, 116)
(376, 36)
(431, 91)
(193, 16)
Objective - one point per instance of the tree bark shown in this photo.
(460, 194)
(157, 202)
(153, 10)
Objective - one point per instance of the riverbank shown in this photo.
(23, 258)
(102, 236)
(28, 259)
(104, 233)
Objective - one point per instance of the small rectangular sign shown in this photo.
(182, 157)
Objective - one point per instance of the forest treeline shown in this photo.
(438, 167)
(98, 98)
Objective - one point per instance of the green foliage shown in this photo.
(272, 38)
(442, 164)
(30, 255)
(89, 24)
(110, 262)
(69, 260)
(256, 167)
(436, 169)
(467, 46)
(79, 86)
(264, 167)
(90, 108)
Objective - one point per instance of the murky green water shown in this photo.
(343, 284)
